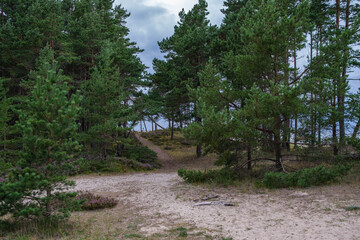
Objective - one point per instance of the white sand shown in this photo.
(164, 199)
(315, 213)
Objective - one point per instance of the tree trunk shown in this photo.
(334, 133)
(145, 126)
(172, 129)
(295, 76)
(342, 91)
(356, 129)
(119, 149)
(335, 147)
(277, 146)
(104, 153)
(47, 212)
(319, 130)
(198, 147)
(249, 158)
(277, 142)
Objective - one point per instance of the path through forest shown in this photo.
(163, 202)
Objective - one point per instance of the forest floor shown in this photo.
(159, 205)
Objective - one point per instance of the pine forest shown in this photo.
(243, 129)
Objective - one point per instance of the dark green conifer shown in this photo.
(48, 126)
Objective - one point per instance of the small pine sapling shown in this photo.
(37, 187)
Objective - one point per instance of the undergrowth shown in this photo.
(225, 176)
(135, 157)
(307, 177)
(319, 175)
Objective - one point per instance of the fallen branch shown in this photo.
(216, 203)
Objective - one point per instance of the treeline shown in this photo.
(274, 75)
(69, 84)
(89, 43)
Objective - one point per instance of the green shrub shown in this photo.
(140, 153)
(91, 201)
(307, 177)
(223, 176)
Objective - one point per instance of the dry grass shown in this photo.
(182, 151)
(117, 223)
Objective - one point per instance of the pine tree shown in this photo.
(25, 28)
(188, 51)
(334, 33)
(110, 116)
(5, 116)
(261, 97)
(48, 126)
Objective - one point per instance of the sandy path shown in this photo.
(163, 157)
(164, 199)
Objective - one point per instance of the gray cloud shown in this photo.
(150, 24)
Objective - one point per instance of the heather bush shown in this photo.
(91, 201)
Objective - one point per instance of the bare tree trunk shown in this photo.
(145, 126)
(156, 124)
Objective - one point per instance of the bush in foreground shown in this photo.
(307, 177)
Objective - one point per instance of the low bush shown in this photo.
(4, 167)
(135, 157)
(140, 153)
(307, 177)
(355, 143)
(225, 176)
(91, 201)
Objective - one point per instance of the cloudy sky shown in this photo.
(153, 20)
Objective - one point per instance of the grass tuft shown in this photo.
(352, 208)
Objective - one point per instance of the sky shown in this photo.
(153, 20)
